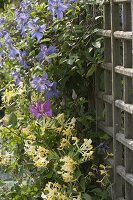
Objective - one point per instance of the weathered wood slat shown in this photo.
(126, 142)
(104, 33)
(127, 94)
(106, 66)
(116, 92)
(126, 176)
(117, 1)
(123, 35)
(127, 35)
(126, 107)
(104, 97)
(124, 71)
(107, 129)
(122, 1)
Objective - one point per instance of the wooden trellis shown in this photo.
(115, 93)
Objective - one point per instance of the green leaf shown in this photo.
(46, 40)
(2, 183)
(87, 196)
(13, 119)
(91, 71)
(82, 183)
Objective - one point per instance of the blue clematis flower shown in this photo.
(16, 77)
(40, 84)
(57, 7)
(13, 52)
(36, 30)
(52, 91)
(45, 52)
(21, 20)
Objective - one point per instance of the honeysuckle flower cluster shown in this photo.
(38, 154)
(53, 191)
(67, 169)
(86, 149)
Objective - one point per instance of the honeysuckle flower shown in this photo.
(16, 77)
(44, 52)
(57, 7)
(52, 91)
(39, 109)
(8, 94)
(54, 191)
(86, 149)
(67, 169)
(36, 30)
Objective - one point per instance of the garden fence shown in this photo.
(115, 93)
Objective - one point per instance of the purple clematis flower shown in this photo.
(52, 91)
(40, 83)
(16, 77)
(45, 52)
(39, 109)
(57, 7)
(36, 31)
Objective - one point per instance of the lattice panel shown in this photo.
(114, 89)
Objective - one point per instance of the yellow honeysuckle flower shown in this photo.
(8, 94)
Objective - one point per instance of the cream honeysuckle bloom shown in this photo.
(64, 143)
(86, 149)
(69, 164)
(8, 94)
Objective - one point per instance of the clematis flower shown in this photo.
(40, 83)
(13, 52)
(22, 15)
(52, 91)
(36, 31)
(103, 147)
(21, 20)
(16, 77)
(19, 55)
(57, 7)
(39, 109)
(2, 20)
(44, 52)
